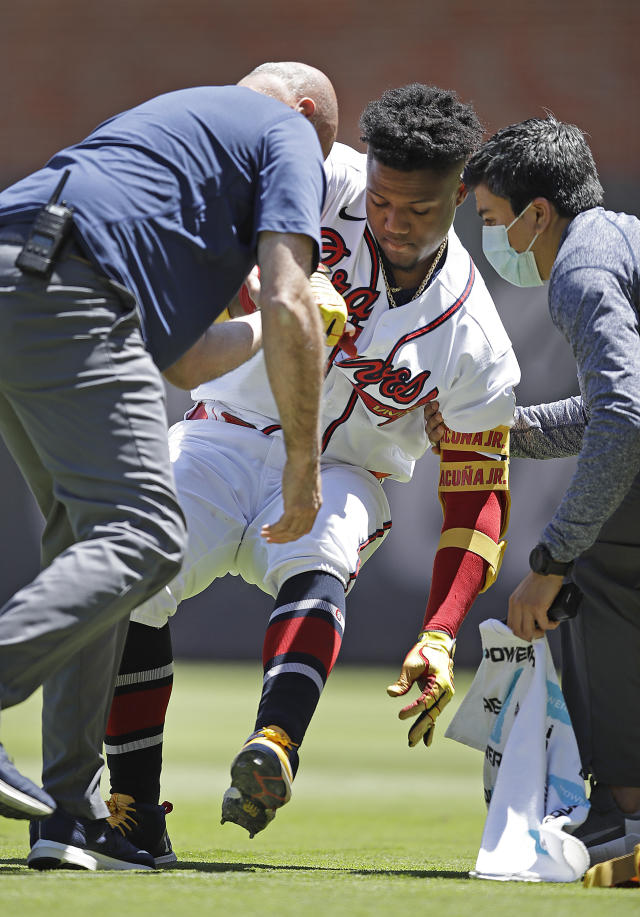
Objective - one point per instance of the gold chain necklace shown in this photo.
(421, 288)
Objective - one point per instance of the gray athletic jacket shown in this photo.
(594, 300)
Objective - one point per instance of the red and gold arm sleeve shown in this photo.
(474, 493)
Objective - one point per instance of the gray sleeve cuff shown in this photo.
(545, 431)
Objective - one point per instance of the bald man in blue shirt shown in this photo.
(172, 203)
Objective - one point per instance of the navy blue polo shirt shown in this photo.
(169, 198)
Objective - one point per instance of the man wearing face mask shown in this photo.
(539, 196)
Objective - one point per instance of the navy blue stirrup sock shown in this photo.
(133, 742)
(301, 645)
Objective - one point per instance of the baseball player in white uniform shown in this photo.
(439, 337)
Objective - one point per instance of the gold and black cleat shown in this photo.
(261, 778)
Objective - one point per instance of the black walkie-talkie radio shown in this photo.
(48, 234)
(565, 605)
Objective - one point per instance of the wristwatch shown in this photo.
(541, 561)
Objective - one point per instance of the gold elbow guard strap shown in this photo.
(478, 543)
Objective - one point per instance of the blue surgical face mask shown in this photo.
(519, 268)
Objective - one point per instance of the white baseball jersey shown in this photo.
(447, 344)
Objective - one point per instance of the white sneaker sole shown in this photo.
(16, 804)
(54, 855)
(166, 859)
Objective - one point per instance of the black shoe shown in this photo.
(143, 824)
(607, 831)
(19, 796)
(69, 842)
(261, 776)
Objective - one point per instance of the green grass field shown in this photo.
(373, 826)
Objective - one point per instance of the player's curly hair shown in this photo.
(539, 157)
(420, 127)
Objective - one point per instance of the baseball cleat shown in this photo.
(261, 778)
(243, 811)
(19, 796)
(66, 841)
(607, 832)
(143, 825)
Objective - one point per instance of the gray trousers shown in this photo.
(601, 650)
(82, 412)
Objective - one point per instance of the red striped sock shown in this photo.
(301, 645)
(135, 730)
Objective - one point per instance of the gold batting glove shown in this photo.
(333, 308)
(429, 665)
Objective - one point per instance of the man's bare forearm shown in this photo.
(292, 340)
(294, 366)
(221, 348)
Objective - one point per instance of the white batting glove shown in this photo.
(429, 664)
(333, 308)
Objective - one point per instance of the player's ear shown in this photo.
(306, 107)
(461, 193)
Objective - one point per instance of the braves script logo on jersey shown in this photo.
(387, 388)
(359, 300)
(333, 247)
(393, 383)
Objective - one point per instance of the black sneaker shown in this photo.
(607, 832)
(19, 796)
(261, 776)
(68, 842)
(144, 825)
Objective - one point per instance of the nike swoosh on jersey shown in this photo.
(342, 213)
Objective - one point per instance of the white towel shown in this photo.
(515, 713)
